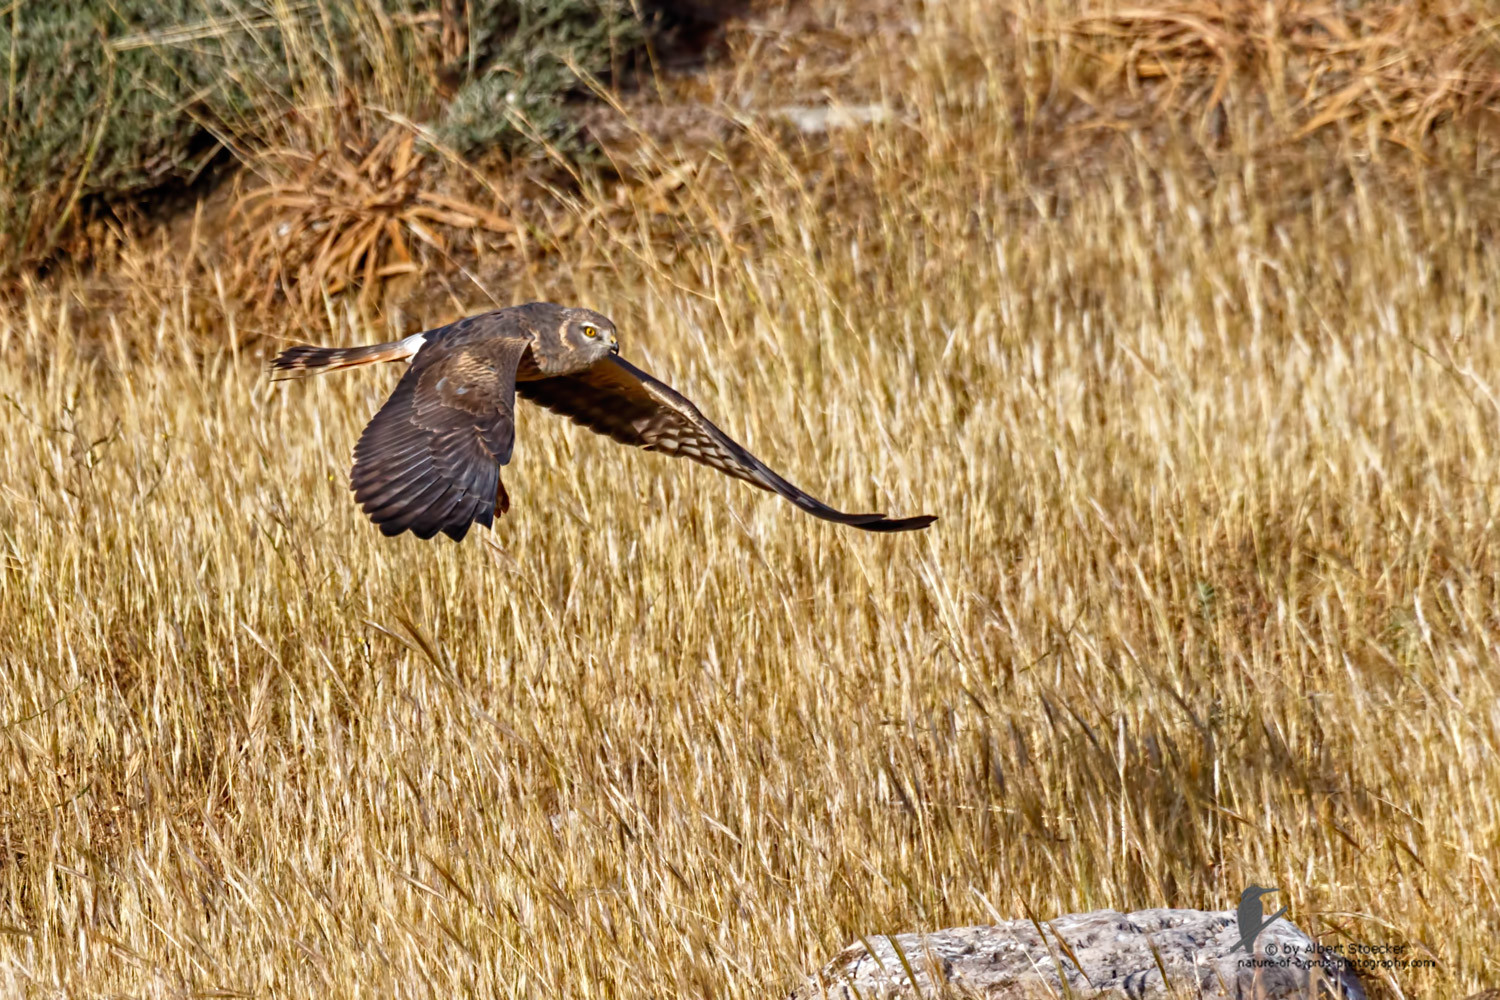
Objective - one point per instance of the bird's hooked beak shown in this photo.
(614, 344)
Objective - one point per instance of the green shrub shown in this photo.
(105, 100)
(81, 115)
(529, 50)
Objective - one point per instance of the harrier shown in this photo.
(430, 458)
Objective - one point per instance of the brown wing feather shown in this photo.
(430, 458)
(616, 398)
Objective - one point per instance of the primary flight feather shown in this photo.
(430, 458)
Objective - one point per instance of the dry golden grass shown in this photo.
(1212, 600)
(1393, 69)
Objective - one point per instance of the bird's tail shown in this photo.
(303, 360)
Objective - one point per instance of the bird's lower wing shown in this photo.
(430, 459)
(615, 398)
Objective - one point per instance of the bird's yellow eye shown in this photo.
(590, 330)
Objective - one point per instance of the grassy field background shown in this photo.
(1210, 420)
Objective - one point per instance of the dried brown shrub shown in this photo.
(349, 218)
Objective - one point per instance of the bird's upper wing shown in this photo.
(430, 459)
(616, 398)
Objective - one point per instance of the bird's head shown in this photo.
(1255, 892)
(589, 334)
(567, 338)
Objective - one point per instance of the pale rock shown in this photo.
(1011, 961)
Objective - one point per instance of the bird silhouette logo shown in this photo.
(1249, 914)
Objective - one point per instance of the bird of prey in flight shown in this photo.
(430, 458)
